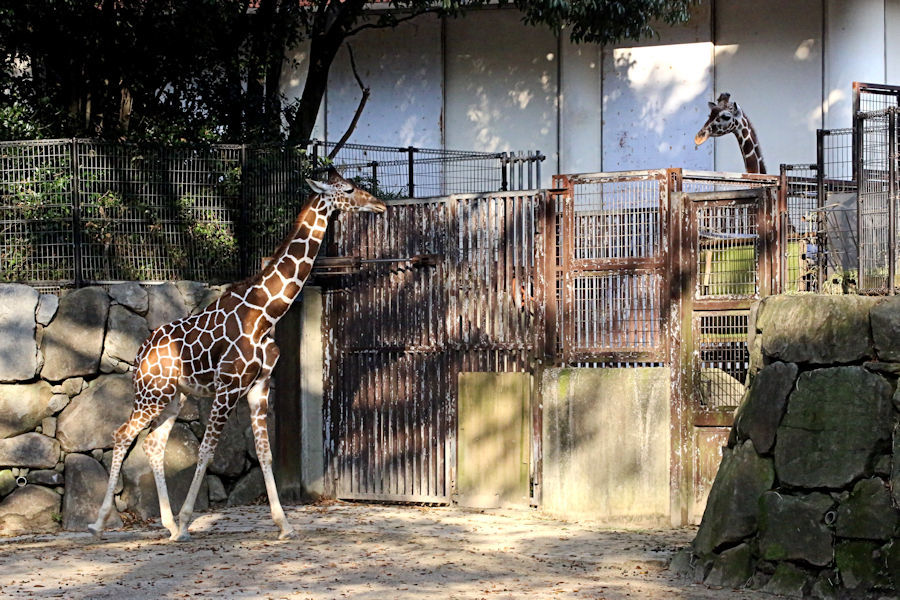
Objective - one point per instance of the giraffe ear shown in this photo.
(736, 110)
(712, 105)
(318, 187)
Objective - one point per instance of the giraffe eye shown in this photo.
(726, 117)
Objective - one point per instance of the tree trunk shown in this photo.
(321, 55)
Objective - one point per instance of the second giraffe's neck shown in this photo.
(749, 144)
(280, 281)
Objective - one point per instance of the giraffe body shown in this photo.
(727, 117)
(226, 352)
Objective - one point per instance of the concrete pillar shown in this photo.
(297, 393)
(312, 373)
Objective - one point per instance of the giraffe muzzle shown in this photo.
(701, 137)
(376, 207)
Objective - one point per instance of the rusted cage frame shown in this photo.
(878, 176)
(672, 234)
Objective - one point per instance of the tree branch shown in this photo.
(359, 109)
(393, 22)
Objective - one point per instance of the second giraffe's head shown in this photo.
(345, 195)
(724, 117)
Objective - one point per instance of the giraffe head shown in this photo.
(345, 195)
(724, 117)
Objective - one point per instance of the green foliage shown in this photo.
(171, 71)
(604, 21)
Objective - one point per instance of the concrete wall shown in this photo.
(606, 444)
(488, 82)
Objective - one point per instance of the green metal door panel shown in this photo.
(494, 412)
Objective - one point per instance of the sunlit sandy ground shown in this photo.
(355, 551)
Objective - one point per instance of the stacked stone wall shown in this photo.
(65, 386)
(806, 499)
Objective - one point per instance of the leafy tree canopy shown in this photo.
(168, 70)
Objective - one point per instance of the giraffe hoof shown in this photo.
(96, 530)
(287, 535)
(180, 536)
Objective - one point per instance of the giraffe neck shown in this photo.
(279, 283)
(750, 149)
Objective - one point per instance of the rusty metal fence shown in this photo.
(436, 287)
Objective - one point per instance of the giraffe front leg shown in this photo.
(258, 398)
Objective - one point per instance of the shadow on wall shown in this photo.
(654, 101)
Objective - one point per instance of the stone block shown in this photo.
(19, 352)
(732, 568)
(32, 450)
(47, 306)
(732, 510)
(816, 329)
(48, 477)
(217, 491)
(130, 295)
(793, 528)
(834, 423)
(192, 292)
(139, 490)
(92, 417)
(867, 513)
(125, 333)
(86, 481)
(7, 482)
(231, 451)
(58, 402)
(885, 318)
(212, 294)
(788, 580)
(760, 413)
(859, 565)
(248, 488)
(73, 342)
(23, 406)
(73, 386)
(30, 509)
(166, 304)
(48, 426)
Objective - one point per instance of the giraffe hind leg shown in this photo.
(141, 416)
(258, 398)
(155, 449)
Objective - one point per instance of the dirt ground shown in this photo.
(355, 551)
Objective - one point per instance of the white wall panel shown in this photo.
(654, 93)
(892, 40)
(581, 117)
(769, 57)
(501, 85)
(854, 51)
(653, 98)
(403, 70)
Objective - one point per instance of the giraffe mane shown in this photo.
(256, 278)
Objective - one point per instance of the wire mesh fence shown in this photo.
(878, 200)
(77, 212)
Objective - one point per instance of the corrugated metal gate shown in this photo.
(440, 286)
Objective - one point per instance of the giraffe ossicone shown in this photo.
(226, 352)
(727, 117)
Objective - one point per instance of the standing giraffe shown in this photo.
(726, 117)
(226, 352)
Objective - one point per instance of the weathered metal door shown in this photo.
(730, 249)
(443, 286)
